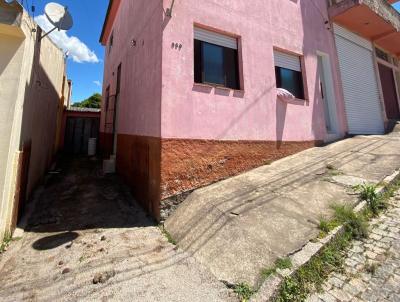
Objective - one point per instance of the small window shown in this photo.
(216, 59)
(288, 73)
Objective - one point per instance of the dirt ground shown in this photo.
(87, 240)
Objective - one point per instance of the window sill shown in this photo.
(292, 101)
(211, 86)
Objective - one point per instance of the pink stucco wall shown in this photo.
(191, 111)
(158, 95)
(137, 45)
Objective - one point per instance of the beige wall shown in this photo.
(11, 52)
(11, 55)
(31, 91)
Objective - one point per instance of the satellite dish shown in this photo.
(58, 16)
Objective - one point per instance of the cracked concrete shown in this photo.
(240, 226)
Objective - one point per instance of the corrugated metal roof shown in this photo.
(80, 109)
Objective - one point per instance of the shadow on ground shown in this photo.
(88, 240)
(78, 196)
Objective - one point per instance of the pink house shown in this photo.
(199, 91)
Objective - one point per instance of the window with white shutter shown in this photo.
(216, 59)
(288, 73)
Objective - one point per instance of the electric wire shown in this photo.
(325, 18)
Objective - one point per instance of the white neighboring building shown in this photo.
(32, 88)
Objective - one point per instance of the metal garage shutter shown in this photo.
(215, 38)
(359, 81)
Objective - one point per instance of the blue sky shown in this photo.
(85, 63)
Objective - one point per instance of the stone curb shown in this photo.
(271, 286)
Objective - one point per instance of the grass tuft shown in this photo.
(267, 272)
(376, 203)
(167, 235)
(326, 226)
(244, 291)
(6, 242)
(311, 277)
(281, 263)
(355, 224)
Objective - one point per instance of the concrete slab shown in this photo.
(349, 181)
(240, 226)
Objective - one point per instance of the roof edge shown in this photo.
(110, 4)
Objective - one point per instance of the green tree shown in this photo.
(92, 102)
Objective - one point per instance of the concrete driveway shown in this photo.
(88, 241)
(240, 226)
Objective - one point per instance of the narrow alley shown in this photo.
(89, 240)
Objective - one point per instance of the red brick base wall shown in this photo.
(189, 164)
(161, 169)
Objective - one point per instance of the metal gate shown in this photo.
(78, 130)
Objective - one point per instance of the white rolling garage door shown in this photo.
(359, 81)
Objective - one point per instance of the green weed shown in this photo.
(244, 291)
(167, 235)
(374, 201)
(312, 275)
(6, 242)
(281, 263)
(325, 226)
(265, 273)
(355, 224)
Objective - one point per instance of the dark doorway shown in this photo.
(78, 130)
(389, 92)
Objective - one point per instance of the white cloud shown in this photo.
(97, 83)
(78, 51)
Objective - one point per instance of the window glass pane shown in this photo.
(291, 81)
(231, 68)
(213, 64)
